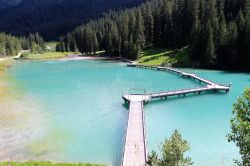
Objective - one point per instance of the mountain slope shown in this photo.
(53, 18)
(8, 3)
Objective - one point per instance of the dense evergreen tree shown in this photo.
(216, 31)
(33, 42)
(172, 152)
(53, 18)
(10, 45)
(148, 24)
(210, 49)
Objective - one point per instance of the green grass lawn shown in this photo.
(44, 163)
(46, 55)
(51, 45)
(159, 56)
(54, 55)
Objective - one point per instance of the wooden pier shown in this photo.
(209, 85)
(184, 92)
(135, 149)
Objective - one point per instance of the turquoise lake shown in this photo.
(72, 111)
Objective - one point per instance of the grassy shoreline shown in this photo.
(53, 55)
(45, 55)
(153, 56)
(45, 163)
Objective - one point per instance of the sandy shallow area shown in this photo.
(79, 57)
(17, 113)
(73, 57)
(24, 131)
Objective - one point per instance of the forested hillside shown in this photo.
(52, 18)
(8, 3)
(216, 31)
(11, 45)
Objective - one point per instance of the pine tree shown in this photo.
(195, 30)
(246, 40)
(172, 152)
(115, 38)
(209, 28)
(79, 37)
(62, 45)
(58, 47)
(240, 21)
(131, 53)
(119, 46)
(232, 33)
(74, 46)
(210, 49)
(124, 31)
(108, 44)
(222, 33)
(178, 35)
(95, 43)
(168, 27)
(202, 14)
(2, 50)
(149, 24)
(247, 8)
(211, 13)
(139, 31)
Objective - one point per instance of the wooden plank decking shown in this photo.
(210, 86)
(135, 150)
(183, 92)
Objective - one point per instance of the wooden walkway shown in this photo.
(184, 92)
(135, 149)
(209, 85)
(181, 73)
(180, 92)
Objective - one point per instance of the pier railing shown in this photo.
(135, 92)
(145, 134)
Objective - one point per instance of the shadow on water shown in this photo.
(109, 60)
(125, 105)
(121, 140)
(119, 148)
(235, 72)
